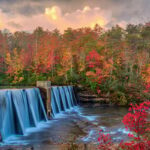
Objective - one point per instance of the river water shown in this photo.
(78, 127)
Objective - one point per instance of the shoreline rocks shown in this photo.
(92, 98)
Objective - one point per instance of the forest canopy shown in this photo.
(115, 62)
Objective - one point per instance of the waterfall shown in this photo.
(62, 99)
(56, 97)
(7, 115)
(20, 110)
(72, 94)
(54, 105)
(36, 105)
(68, 98)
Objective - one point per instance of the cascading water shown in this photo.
(7, 115)
(71, 91)
(56, 98)
(20, 110)
(36, 105)
(68, 98)
(62, 99)
(54, 105)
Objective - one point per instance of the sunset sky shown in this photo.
(26, 15)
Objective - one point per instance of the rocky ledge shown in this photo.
(85, 96)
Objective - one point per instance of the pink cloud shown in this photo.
(52, 18)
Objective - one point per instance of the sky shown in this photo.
(26, 15)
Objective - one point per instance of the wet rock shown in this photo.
(94, 100)
(85, 95)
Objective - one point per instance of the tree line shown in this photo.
(113, 62)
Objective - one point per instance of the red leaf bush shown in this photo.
(136, 121)
(105, 141)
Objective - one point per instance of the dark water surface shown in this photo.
(80, 126)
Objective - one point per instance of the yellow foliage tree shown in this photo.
(15, 66)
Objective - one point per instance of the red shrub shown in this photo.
(136, 121)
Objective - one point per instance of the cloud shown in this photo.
(25, 23)
(1, 24)
(86, 17)
(54, 12)
(51, 14)
(1, 20)
(14, 25)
